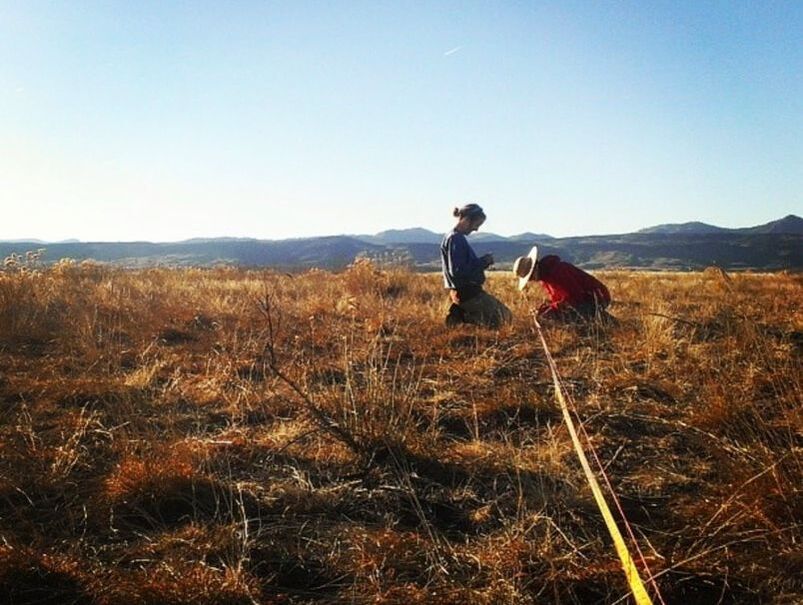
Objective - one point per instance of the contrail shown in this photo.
(452, 51)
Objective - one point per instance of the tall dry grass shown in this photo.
(162, 443)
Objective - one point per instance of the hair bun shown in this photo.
(456, 212)
(469, 210)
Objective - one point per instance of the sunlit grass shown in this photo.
(151, 453)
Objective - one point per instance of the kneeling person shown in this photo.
(464, 274)
(573, 293)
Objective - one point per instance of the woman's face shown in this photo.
(476, 223)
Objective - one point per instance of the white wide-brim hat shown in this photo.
(524, 266)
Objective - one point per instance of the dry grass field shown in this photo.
(227, 436)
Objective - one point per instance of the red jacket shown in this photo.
(569, 286)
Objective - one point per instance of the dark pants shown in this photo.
(481, 310)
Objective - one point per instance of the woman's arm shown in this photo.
(463, 264)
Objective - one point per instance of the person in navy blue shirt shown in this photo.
(464, 274)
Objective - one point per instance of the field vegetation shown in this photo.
(223, 436)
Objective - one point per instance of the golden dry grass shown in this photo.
(153, 451)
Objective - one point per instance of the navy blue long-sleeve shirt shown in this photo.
(462, 269)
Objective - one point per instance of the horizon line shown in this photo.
(72, 240)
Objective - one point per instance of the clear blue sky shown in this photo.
(169, 120)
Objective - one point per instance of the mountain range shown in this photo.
(771, 246)
(790, 224)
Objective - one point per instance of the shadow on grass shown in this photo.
(27, 579)
(181, 500)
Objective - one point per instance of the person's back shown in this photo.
(463, 271)
(570, 285)
(571, 290)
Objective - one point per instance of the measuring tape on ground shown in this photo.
(631, 572)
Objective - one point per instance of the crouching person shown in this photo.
(573, 293)
(464, 275)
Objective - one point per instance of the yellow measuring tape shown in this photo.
(631, 573)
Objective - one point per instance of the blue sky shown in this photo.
(169, 120)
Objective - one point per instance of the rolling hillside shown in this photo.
(774, 246)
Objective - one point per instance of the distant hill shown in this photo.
(482, 236)
(326, 252)
(212, 240)
(415, 235)
(776, 245)
(425, 236)
(693, 228)
(530, 237)
(790, 224)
